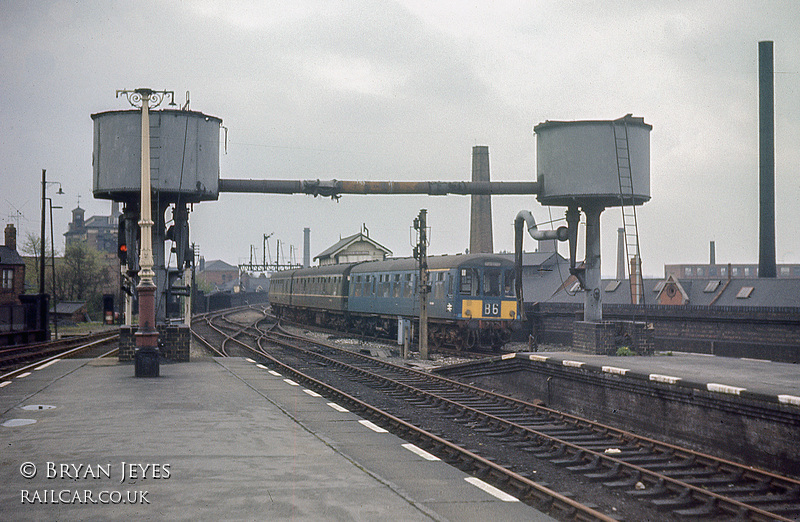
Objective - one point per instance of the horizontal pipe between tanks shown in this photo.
(335, 188)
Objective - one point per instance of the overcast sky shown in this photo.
(379, 90)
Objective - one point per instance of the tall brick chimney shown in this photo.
(11, 236)
(480, 226)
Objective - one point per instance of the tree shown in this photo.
(31, 249)
(82, 275)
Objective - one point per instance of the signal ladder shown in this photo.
(626, 197)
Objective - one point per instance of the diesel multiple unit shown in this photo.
(471, 301)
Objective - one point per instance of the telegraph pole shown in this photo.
(421, 253)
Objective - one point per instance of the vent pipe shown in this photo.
(766, 157)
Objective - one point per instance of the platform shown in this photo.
(741, 409)
(219, 439)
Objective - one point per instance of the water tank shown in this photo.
(576, 161)
(184, 155)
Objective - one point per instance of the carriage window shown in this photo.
(408, 287)
(357, 287)
(491, 282)
(438, 286)
(509, 288)
(470, 282)
(450, 285)
(397, 286)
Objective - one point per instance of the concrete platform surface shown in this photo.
(220, 439)
(766, 378)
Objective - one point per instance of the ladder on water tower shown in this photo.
(626, 196)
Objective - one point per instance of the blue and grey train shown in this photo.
(471, 303)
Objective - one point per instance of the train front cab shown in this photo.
(487, 301)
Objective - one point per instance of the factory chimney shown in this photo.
(480, 225)
(712, 254)
(306, 247)
(766, 162)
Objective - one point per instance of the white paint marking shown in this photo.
(573, 364)
(508, 356)
(23, 375)
(248, 359)
(501, 495)
(755, 360)
(261, 366)
(4, 384)
(539, 358)
(273, 372)
(419, 451)
(615, 370)
(783, 399)
(45, 365)
(290, 382)
(372, 426)
(724, 388)
(666, 379)
(312, 393)
(337, 407)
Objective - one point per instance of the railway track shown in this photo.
(95, 344)
(15, 356)
(520, 446)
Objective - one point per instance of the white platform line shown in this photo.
(508, 356)
(23, 375)
(259, 365)
(45, 365)
(783, 399)
(290, 382)
(4, 384)
(500, 495)
(312, 393)
(573, 364)
(372, 426)
(337, 407)
(666, 379)
(724, 388)
(615, 370)
(273, 372)
(419, 451)
(248, 359)
(538, 358)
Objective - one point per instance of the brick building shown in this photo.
(12, 269)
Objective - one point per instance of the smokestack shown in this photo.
(766, 162)
(11, 237)
(620, 254)
(306, 247)
(712, 254)
(480, 225)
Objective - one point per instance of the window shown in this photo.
(612, 285)
(745, 292)
(397, 286)
(491, 282)
(659, 286)
(712, 286)
(700, 271)
(408, 287)
(438, 285)
(469, 281)
(8, 279)
(357, 287)
(784, 271)
(747, 270)
(508, 283)
(687, 271)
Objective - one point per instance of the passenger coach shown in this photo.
(471, 301)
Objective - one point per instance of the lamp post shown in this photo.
(53, 261)
(43, 305)
(147, 353)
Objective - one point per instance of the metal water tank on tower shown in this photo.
(184, 155)
(591, 165)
